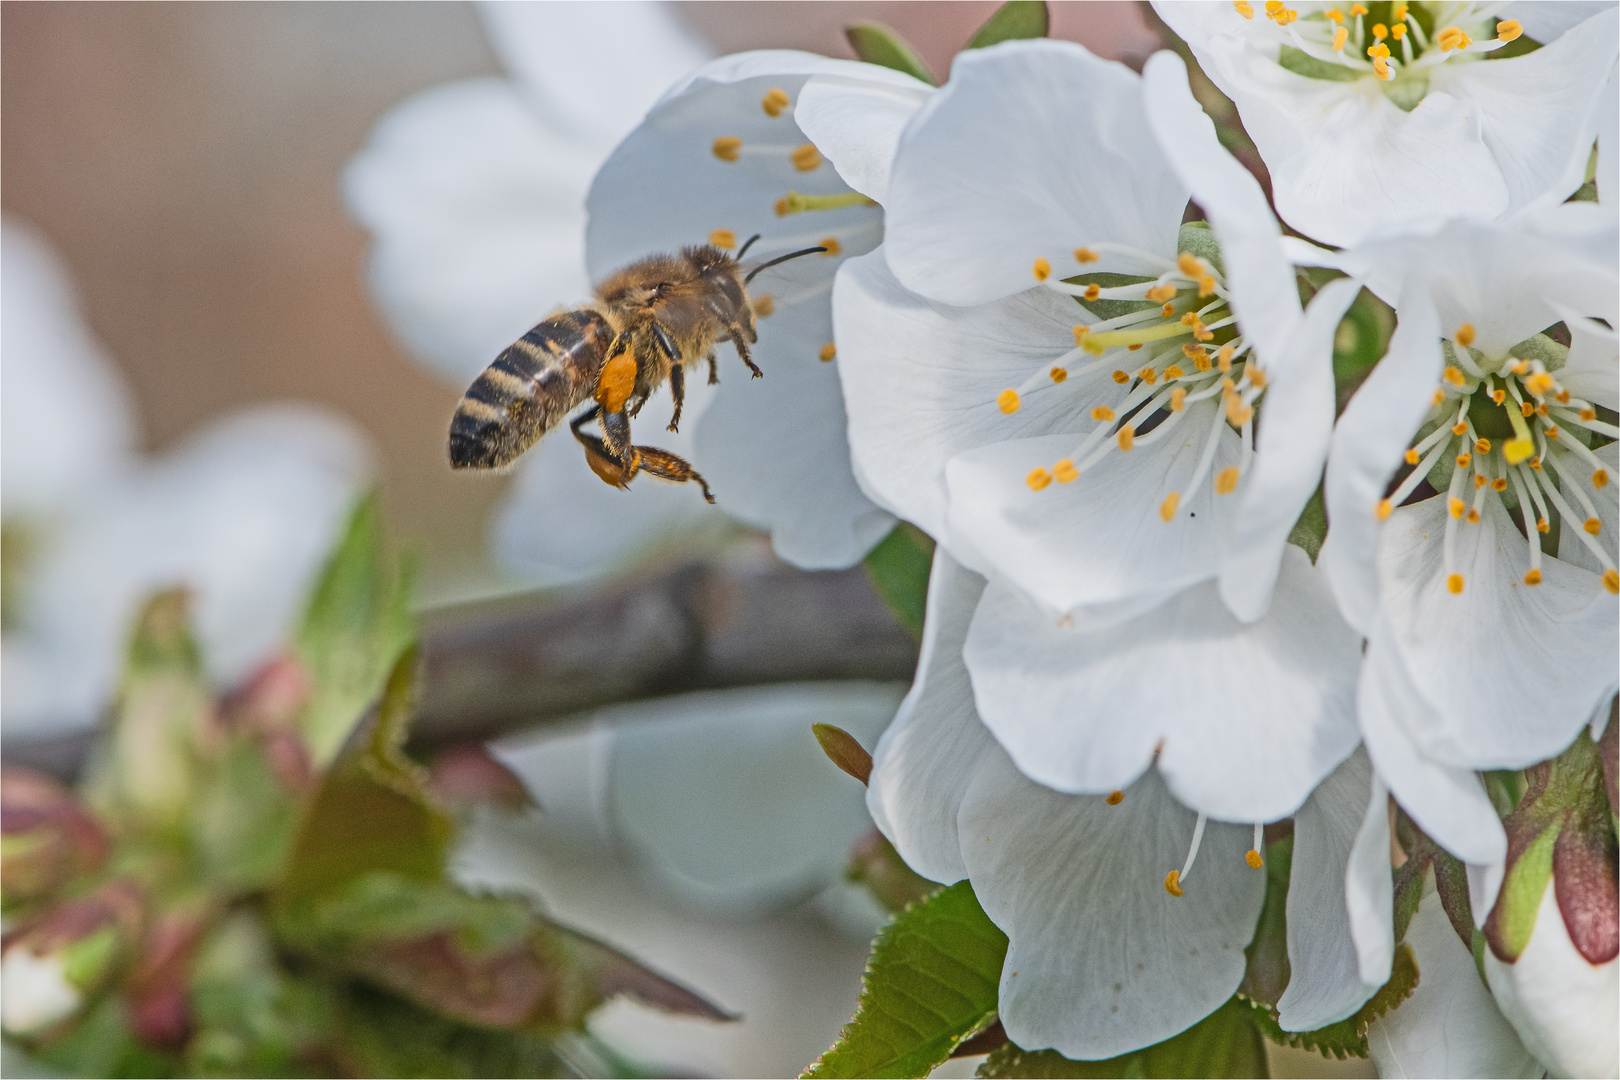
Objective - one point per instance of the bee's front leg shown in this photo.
(677, 390)
(742, 351)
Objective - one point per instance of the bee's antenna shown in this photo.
(752, 274)
(748, 244)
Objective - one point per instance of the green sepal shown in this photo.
(1226, 1043)
(899, 568)
(1016, 20)
(1348, 1037)
(356, 625)
(932, 982)
(1310, 529)
(1267, 970)
(1303, 63)
(1197, 238)
(1110, 309)
(1360, 341)
(877, 44)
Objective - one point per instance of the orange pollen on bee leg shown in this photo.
(1085, 255)
(1172, 883)
(775, 101)
(806, 158)
(1594, 526)
(727, 147)
(1600, 479)
(1254, 860)
(1120, 377)
(1102, 413)
(1611, 581)
(1533, 577)
(1043, 269)
(1455, 584)
(1058, 374)
(828, 351)
(1115, 798)
(1508, 30)
(1167, 509)
(832, 245)
(1411, 455)
(617, 381)
(1064, 471)
(1093, 291)
(1457, 507)
(1384, 509)
(1127, 438)
(1007, 401)
(1226, 481)
(723, 238)
(1038, 479)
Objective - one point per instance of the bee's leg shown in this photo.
(616, 435)
(714, 368)
(742, 351)
(601, 460)
(663, 464)
(677, 390)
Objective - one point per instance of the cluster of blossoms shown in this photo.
(1114, 416)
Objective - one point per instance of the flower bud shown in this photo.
(461, 777)
(46, 838)
(52, 964)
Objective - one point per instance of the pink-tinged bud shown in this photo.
(46, 838)
(466, 776)
(157, 992)
(875, 864)
(52, 963)
(270, 699)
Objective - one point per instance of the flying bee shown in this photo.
(647, 323)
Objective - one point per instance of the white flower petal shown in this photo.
(595, 68)
(475, 204)
(857, 124)
(1032, 149)
(1369, 890)
(1325, 984)
(1511, 672)
(1448, 803)
(1449, 1026)
(920, 381)
(1548, 20)
(1592, 370)
(1371, 435)
(34, 991)
(1102, 960)
(1245, 718)
(1571, 549)
(926, 759)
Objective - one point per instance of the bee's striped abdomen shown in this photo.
(533, 384)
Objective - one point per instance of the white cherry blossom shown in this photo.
(1370, 128)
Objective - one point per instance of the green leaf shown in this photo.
(1359, 342)
(899, 568)
(932, 981)
(877, 44)
(356, 625)
(1348, 1037)
(1311, 528)
(1015, 20)
(1514, 916)
(1224, 1043)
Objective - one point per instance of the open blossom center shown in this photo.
(1349, 42)
(1183, 349)
(1507, 429)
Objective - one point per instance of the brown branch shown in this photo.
(491, 669)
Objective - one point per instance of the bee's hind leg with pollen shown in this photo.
(618, 469)
(667, 466)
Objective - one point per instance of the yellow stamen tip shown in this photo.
(1167, 509)
(1188, 264)
(1384, 509)
(832, 245)
(1121, 378)
(1611, 581)
(1482, 446)
(1064, 472)
(1254, 860)
(806, 158)
(1460, 428)
(1080, 333)
(1457, 507)
(1453, 375)
(727, 147)
(1172, 883)
(1464, 460)
(1380, 31)
(1473, 516)
(1533, 577)
(1543, 525)
(828, 351)
(1499, 484)
(1243, 8)
(1007, 401)
(1038, 479)
(1115, 798)
(1058, 374)
(783, 207)
(1465, 334)
(1085, 255)
(1127, 438)
(1160, 293)
(1148, 375)
(1600, 479)
(1043, 269)
(723, 238)
(1102, 412)
(1173, 372)
(1455, 584)
(1178, 399)
(1508, 30)
(1340, 37)
(1411, 456)
(775, 101)
(764, 305)
(1226, 481)
(1594, 526)
(1093, 291)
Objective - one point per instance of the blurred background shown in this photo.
(185, 161)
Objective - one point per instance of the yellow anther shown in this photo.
(1611, 581)
(1168, 311)
(829, 350)
(1172, 883)
(1384, 509)
(1499, 484)
(1439, 396)
(1473, 516)
(806, 158)
(1173, 372)
(1189, 264)
(1460, 428)
(1455, 584)
(1452, 37)
(1380, 31)
(764, 305)
(1256, 374)
(1007, 401)
(1148, 375)
(1242, 8)
(1600, 479)
(775, 101)
(1498, 396)
(1516, 450)
(1399, 13)
(1058, 374)
(1541, 409)
(1092, 292)
(1224, 357)
(1457, 507)
(1562, 397)
(832, 245)
(1518, 367)
(1160, 293)
(1411, 456)
(1206, 285)
(783, 207)
(1533, 577)
(1080, 333)
(1085, 255)
(1464, 335)
(1453, 375)
(727, 147)
(1043, 269)
(1543, 525)
(1038, 479)
(1167, 509)
(1127, 438)
(1357, 10)
(1194, 352)
(1121, 378)
(1508, 30)
(1202, 362)
(1334, 14)
(1064, 471)
(1588, 414)
(1133, 348)
(1226, 481)
(1593, 526)
(723, 238)
(1102, 414)
(1464, 460)
(1381, 68)
(1378, 51)
(1178, 399)
(1479, 482)
(1254, 860)
(1340, 36)
(1552, 433)
(1482, 446)
(1202, 333)
(1288, 15)
(1398, 31)
(1117, 797)
(1237, 413)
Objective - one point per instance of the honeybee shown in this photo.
(647, 323)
